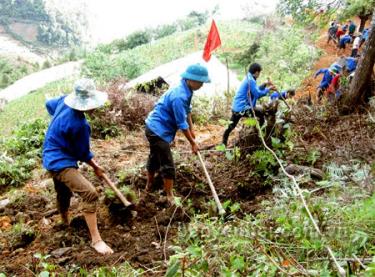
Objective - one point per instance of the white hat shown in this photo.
(85, 96)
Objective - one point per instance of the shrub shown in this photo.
(126, 110)
(21, 153)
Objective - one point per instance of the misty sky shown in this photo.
(116, 18)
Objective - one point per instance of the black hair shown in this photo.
(291, 92)
(255, 67)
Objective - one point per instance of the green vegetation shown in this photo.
(54, 28)
(280, 237)
(31, 106)
(21, 153)
(11, 71)
(107, 63)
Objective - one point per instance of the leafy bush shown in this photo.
(107, 63)
(126, 110)
(12, 71)
(22, 152)
(263, 161)
(283, 54)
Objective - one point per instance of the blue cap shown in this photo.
(196, 72)
(337, 67)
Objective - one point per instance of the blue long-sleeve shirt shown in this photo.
(351, 64)
(327, 77)
(170, 112)
(365, 34)
(276, 95)
(241, 101)
(345, 40)
(67, 139)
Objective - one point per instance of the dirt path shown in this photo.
(39, 79)
(328, 57)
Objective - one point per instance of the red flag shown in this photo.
(213, 42)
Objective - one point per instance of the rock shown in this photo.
(22, 217)
(46, 221)
(295, 169)
(17, 251)
(5, 223)
(45, 183)
(60, 252)
(4, 203)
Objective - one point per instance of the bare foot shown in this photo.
(101, 247)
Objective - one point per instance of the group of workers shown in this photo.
(346, 34)
(330, 84)
(67, 139)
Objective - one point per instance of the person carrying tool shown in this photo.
(328, 74)
(332, 32)
(286, 94)
(172, 113)
(67, 141)
(246, 98)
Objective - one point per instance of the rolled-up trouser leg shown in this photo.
(75, 182)
(63, 195)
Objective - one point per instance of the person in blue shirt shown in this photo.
(172, 113)
(290, 93)
(344, 40)
(351, 64)
(246, 98)
(364, 37)
(328, 74)
(67, 142)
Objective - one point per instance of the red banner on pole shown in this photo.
(213, 42)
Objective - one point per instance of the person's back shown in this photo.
(163, 119)
(67, 137)
(351, 64)
(352, 28)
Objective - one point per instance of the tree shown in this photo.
(360, 88)
(362, 9)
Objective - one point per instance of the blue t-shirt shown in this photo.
(67, 139)
(365, 34)
(351, 64)
(241, 101)
(170, 112)
(276, 95)
(345, 40)
(327, 77)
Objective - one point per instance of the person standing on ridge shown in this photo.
(172, 113)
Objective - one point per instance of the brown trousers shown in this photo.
(70, 180)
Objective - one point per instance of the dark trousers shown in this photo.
(236, 118)
(160, 157)
(354, 53)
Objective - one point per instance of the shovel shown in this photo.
(217, 201)
(117, 191)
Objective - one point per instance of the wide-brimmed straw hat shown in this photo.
(196, 72)
(85, 96)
